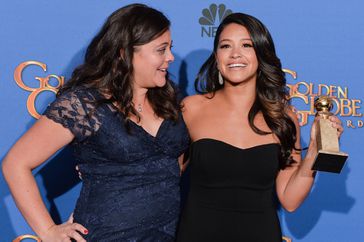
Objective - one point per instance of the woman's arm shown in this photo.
(39, 143)
(294, 183)
(182, 163)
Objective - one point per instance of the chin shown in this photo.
(243, 79)
(160, 83)
(236, 81)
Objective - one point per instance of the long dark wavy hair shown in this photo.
(106, 70)
(271, 92)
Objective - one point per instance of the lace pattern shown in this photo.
(76, 111)
(130, 188)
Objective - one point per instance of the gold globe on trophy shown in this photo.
(329, 157)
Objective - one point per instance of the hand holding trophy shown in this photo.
(329, 157)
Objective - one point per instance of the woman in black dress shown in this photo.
(245, 141)
(120, 113)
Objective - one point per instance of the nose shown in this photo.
(235, 54)
(170, 56)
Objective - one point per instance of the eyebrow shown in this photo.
(231, 40)
(164, 43)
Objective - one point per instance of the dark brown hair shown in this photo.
(271, 92)
(105, 69)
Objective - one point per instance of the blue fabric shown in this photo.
(131, 180)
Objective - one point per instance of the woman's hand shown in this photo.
(65, 232)
(335, 122)
(183, 167)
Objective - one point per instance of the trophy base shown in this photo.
(329, 161)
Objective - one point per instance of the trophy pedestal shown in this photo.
(329, 157)
(329, 161)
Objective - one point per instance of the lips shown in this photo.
(162, 69)
(237, 65)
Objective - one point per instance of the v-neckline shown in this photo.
(145, 131)
(112, 108)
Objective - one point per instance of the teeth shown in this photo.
(162, 69)
(236, 65)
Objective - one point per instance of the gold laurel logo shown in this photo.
(26, 236)
(44, 84)
(286, 239)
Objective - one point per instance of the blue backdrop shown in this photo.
(320, 46)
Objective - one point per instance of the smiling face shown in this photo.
(151, 60)
(235, 55)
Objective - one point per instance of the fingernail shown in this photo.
(86, 231)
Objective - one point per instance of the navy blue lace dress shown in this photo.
(130, 188)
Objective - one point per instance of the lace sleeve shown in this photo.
(71, 110)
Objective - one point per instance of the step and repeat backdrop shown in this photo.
(320, 44)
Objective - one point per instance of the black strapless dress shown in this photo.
(231, 195)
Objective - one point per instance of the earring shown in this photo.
(221, 80)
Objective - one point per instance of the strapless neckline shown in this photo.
(201, 140)
(232, 191)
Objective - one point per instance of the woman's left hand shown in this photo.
(335, 122)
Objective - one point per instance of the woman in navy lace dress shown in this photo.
(120, 113)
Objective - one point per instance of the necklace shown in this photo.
(140, 108)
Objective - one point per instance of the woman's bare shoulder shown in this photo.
(192, 105)
(193, 100)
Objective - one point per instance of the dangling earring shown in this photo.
(221, 80)
(259, 73)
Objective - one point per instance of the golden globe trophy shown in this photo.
(329, 158)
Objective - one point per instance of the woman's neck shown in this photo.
(240, 96)
(140, 98)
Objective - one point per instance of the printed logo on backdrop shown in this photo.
(302, 91)
(211, 18)
(43, 84)
(344, 106)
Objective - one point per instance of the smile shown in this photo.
(236, 65)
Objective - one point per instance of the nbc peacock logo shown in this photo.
(211, 18)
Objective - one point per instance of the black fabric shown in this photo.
(231, 196)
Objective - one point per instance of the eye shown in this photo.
(162, 50)
(247, 45)
(224, 46)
